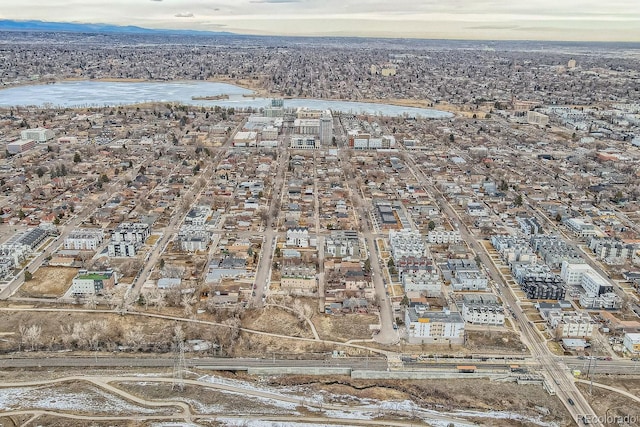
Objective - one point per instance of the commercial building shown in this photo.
(20, 146)
(245, 139)
(434, 327)
(535, 118)
(39, 135)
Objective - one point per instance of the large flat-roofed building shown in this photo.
(535, 118)
(306, 126)
(38, 134)
(20, 146)
(434, 327)
(245, 139)
(585, 276)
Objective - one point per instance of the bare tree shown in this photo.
(31, 335)
(91, 302)
(134, 337)
(187, 302)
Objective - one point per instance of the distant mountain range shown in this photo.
(70, 27)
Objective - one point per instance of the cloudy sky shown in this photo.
(598, 20)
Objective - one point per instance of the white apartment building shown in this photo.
(482, 309)
(299, 238)
(434, 327)
(469, 281)
(122, 249)
(131, 232)
(585, 276)
(84, 239)
(569, 324)
(422, 283)
(406, 243)
(198, 215)
(443, 237)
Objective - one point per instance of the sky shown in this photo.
(579, 20)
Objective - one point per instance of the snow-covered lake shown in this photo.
(100, 94)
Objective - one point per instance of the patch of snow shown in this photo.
(58, 399)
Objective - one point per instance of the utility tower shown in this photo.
(179, 362)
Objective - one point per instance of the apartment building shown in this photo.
(91, 283)
(434, 327)
(482, 309)
(84, 239)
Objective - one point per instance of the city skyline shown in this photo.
(461, 19)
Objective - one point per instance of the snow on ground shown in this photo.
(251, 387)
(367, 408)
(58, 399)
(234, 422)
(503, 415)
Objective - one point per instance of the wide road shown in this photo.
(387, 334)
(263, 272)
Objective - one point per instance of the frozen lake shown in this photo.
(100, 94)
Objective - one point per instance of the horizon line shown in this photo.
(232, 33)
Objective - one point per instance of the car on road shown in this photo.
(571, 402)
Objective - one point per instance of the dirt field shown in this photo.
(277, 321)
(345, 327)
(508, 342)
(48, 282)
(609, 404)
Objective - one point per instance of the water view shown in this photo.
(100, 94)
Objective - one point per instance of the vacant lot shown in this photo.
(610, 404)
(48, 282)
(277, 321)
(508, 342)
(344, 327)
